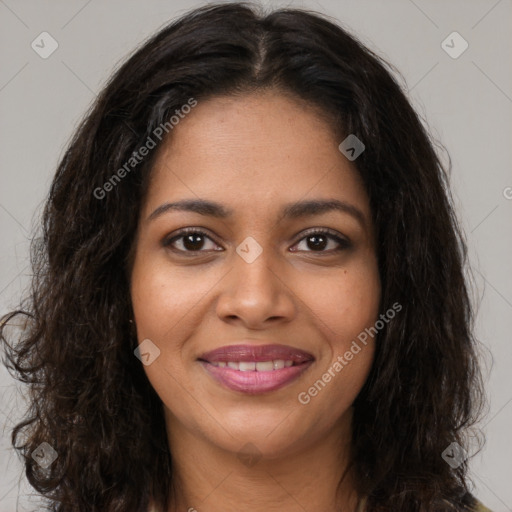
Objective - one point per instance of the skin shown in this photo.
(254, 153)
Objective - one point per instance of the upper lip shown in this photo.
(256, 353)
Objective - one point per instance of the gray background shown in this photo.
(466, 101)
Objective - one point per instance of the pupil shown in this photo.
(316, 244)
(189, 242)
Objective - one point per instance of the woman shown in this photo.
(249, 293)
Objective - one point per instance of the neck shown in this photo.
(315, 477)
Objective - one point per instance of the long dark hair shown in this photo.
(89, 396)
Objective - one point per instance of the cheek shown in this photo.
(343, 304)
(163, 298)
(358, 296)
(159, 302)
(169, 305)
(344, 309)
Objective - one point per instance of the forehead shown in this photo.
(260, 149)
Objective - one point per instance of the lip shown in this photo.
(257, 353)
(255, 382)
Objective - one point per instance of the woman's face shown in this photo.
(257, 277)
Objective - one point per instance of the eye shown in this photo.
(318, 240)
(191, 239)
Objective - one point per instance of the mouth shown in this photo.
(255, 369)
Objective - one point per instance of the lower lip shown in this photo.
(252, 382)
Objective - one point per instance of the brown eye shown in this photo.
(189, 240)
(319, 240)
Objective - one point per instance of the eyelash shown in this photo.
(343, 243)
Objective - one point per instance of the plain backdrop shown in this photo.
(466, 101)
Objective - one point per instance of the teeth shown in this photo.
(248, 366)
(265, 366)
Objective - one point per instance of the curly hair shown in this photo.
(89, 396)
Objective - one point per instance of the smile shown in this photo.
(253, 366)
(255, 369)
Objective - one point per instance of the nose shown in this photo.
(256, 293)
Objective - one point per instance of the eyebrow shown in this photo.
(295, 210)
